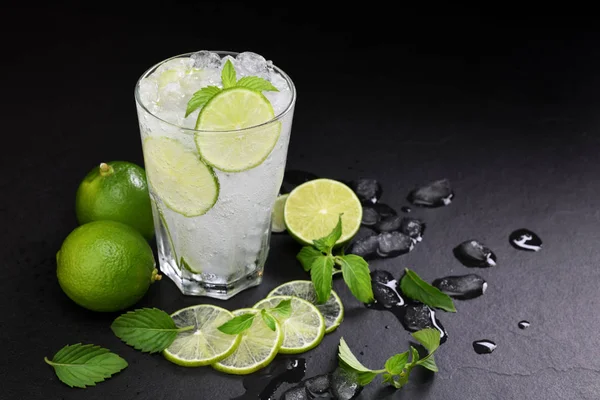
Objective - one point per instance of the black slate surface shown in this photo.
(507, 110)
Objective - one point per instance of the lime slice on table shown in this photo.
(332, 310)
(258, 347)
(277, 222)
(205, 344)
(313, 208)
(182, 181)
(303, 329)
(241, 144)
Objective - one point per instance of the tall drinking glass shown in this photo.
(213, 190)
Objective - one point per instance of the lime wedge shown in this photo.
(182, 181)
(258, 347)
(332, 310)
(277, 222)
(241, 144)
(313, 208)
(303, 329)
(205, 344)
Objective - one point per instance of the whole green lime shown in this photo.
(116, 191)
(105, 266)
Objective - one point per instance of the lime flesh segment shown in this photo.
(205, 344)
(303, 329)
(277, 222)
(258, 347)
(231, 140)
(313, 208)
(332, 310)
(182, 181)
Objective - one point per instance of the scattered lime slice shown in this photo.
(258, 347)
(235, 148)
(277, 222)
(204, 345)
(313, 208)
(178, 176)
(332, 310)
(303, 329)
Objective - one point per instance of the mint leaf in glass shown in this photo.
(228, 75)
(256, 83)
(416, 288)
(81, 365)
(200, 98)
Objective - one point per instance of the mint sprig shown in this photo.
(417, 289)
(81, 365)
(321, 262)
(242, 322)
(148, 329)
(397, 368)
(229, 80)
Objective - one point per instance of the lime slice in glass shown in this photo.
(313, 208)
(258, 347)
(303, 329)
(277, 222)
(205, 344)
(332, 310)
(182, 181)
(241, 144)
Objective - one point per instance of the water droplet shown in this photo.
(484, 346)
(405, 209)
(362, 353)
(524, 324)
(472, 253)
(524, 239)
(387, 327)
(462, 287)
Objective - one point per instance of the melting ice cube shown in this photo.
(472, 253)
(433, 194)
(206, 59)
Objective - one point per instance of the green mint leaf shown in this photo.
(284, 308)
(321, 274)
(80, 365)
(346, 356)
(402, 380)
(355, 271)
(326, 243)
(237, 325)
(416, 288)
(228, 76)
(364, 378)
(256, 83)
(307, 256)
(269, 320)
(429, 363)
(429, 338)
(387, 378)
(415, 356)
(200, 98)
(147, 329)
(395, 364)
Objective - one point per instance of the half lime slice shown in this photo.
(277, 222)
(235, 136)
(332, 309)
(303, 329)
(205, 344)
(312, 211)
(182, 181)
(258, 347)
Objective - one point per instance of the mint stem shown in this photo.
(186, 328)
(48, 361)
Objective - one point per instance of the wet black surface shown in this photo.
(507, 110)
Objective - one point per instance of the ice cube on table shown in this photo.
(433, 194)
(206, 59)
(296, 393)
(472, 253)
(461, 287)
(367, 190)
(344, 384)
(318, 385)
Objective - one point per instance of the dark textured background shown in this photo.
(505, 109)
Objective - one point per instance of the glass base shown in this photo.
(194, 284)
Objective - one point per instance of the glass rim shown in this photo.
(277, 117)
